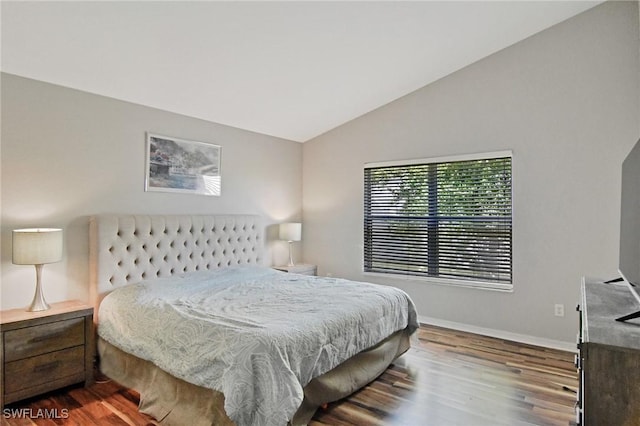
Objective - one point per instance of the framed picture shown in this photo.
(178, 165)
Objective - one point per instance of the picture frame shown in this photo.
(183, 166)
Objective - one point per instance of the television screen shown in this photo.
(630, 221)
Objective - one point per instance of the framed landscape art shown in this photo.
(178, 165)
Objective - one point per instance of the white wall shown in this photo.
(566, 101)
(68, 154)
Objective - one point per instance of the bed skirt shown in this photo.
(174, 402)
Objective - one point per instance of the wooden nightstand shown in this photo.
(44, 351)
(300, 268)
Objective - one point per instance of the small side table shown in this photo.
(46, 350)
(299, 268)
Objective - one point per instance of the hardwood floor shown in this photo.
(447, 378)
(457, 378)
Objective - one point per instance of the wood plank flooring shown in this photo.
(447, 378)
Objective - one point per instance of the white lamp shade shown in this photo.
(290, 231)
(37, 246)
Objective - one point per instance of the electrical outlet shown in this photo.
(559, 310)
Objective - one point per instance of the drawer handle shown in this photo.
(48, 337)
(45, 367)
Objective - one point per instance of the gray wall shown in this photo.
(566, 101)
(68, 154)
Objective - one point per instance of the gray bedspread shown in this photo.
(254, 334)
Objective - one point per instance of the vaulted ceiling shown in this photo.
(292, 69)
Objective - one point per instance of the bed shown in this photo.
(188, 315)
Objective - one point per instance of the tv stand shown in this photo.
(633, 315)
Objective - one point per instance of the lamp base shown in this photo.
(290, 254)
(38, 303)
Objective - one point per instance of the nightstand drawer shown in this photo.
(31, 341)
(42, 369)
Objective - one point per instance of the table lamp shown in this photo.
(37, 246)
(290, 232)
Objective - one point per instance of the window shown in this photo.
(446, 219)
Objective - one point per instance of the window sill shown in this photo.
(480, 285)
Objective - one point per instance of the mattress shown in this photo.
(255, 335)
(174, 402)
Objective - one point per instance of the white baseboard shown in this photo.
(500, 334)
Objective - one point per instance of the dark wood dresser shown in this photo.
(609, 357)
(44, 351)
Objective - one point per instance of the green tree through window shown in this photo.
(440, 219)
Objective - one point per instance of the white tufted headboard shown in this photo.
(126, 249)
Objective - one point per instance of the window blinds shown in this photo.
(443, 219)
